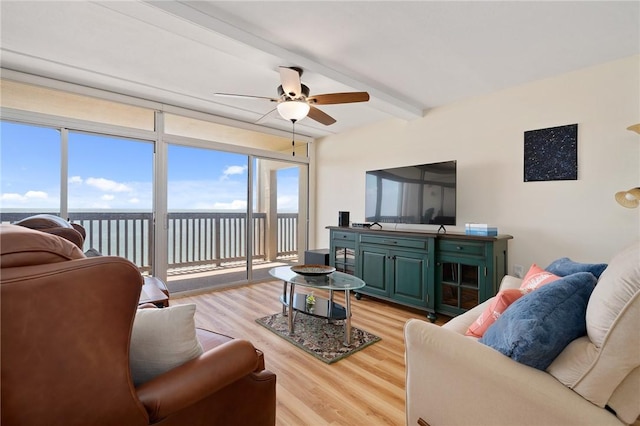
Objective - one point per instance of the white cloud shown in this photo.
(41, 195)
(75, 179)
(30, 199)
(88, 197)
(206, 194)
(11, 196)
(234, 205)
(107, 185)
(233, 170)
(287, 203)
(29, 195)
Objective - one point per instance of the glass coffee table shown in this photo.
(324, 308)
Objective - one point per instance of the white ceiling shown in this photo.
(409, 55)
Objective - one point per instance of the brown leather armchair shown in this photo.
(55, 225)
(66, 324)
(73, 232)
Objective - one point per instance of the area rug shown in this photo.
(324, 340)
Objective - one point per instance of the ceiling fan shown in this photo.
(294, 102)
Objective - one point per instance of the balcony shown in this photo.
(204, 249)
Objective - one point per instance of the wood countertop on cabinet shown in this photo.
(421, 234)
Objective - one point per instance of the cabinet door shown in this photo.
(374, 270)
(342, 254)
(458, 284)
(410, 276)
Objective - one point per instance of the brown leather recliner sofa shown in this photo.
(66, 323)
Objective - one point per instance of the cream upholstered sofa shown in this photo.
(452, 379)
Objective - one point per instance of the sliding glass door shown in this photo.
(207, 217)
(110, 192)
(214, 238)
(279, 214)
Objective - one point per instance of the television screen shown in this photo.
(421, 194)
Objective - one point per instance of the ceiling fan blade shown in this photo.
(290, 78)
(339, 98)
(233, 95)
(320, 116)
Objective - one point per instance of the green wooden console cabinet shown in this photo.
(437, 273)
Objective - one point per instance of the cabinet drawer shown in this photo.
(395, 242)
(344, 236)
(461, 247)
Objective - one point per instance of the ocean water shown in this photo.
(194, 237)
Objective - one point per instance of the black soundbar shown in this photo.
(361, 225)
(364, 224)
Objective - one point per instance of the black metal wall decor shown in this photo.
(551, 154)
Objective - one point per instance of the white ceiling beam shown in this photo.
(381, 99)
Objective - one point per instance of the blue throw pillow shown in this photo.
(539, 325)
(565, 266)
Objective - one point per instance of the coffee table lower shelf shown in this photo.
(323, 308)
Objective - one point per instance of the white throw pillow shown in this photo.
(596, 366)
(162, 339)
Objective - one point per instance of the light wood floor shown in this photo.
(366, 388)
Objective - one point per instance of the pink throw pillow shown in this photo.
(498, 305)
(536, 278)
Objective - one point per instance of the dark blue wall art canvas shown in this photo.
(551, 154)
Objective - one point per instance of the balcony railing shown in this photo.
(195, 240)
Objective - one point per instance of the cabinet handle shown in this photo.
(459, 247)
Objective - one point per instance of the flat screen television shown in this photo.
(420, 194)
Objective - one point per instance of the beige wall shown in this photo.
(579, 219)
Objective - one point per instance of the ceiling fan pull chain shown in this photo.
(293, 137)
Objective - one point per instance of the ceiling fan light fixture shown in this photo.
(293, 110)
(634, 128)
(294, 102)
(629, 199)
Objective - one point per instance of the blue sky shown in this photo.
(112, 173)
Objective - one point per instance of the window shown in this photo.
(110, 187)
(30, 159)
(98, 162)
